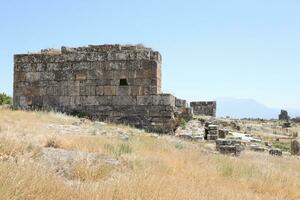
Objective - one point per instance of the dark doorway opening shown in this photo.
(123, 82)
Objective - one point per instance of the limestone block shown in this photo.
(21, 58)
(74, 57)
(143, 55)
(109, 90)
(23, 101)
(124, 100)
(54, 58)
(80, 75)
(104, 100)
(135, 91)
(40, 67)
(64, 100)
(82, 90)
(95, 74)
(180, 103)
(164, 99)
(50, 101)
(47, 76)
(121, 74)
(89, 100)
(53, 67)
(19, 76)
(99, 90)
(32, 76)
(96, 56)
(123, 90)
(90, 90)
(155, 55)
(144, 100)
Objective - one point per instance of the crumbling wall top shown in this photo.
(91, 53)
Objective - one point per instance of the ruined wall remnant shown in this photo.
(283, 115)
(207, 108)
(107, 82)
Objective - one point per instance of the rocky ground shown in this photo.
(254, 135)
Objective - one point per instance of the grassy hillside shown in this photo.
(54, 156)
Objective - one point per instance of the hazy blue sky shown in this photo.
(210, 49)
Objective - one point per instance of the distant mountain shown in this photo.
(248, 108)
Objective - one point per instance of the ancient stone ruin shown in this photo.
(207, 108)
(116, 83)
(283, 115)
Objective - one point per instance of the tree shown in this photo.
(5, 99)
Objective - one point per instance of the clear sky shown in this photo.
(211, 49)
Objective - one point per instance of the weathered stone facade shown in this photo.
(207, 108)
(107, 82)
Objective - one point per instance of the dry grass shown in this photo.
(152, 168)
(85, 172)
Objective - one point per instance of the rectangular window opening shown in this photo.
(123, 82)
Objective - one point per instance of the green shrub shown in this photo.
(5, 99)
(283, 146)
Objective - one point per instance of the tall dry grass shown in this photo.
(152, 168)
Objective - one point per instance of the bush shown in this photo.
(5, 99)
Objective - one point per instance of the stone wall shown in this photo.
(107, 82)
(207, 108)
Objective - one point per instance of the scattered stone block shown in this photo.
(226, 146)
(275, 152)
(295, 147)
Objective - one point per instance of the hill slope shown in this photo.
(53, 156)
(248, 108)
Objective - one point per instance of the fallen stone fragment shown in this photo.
(275, 152)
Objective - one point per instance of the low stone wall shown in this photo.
(207, 108)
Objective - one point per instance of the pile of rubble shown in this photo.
(227, 138)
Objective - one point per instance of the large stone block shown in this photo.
(124, 100)
(164, 100)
